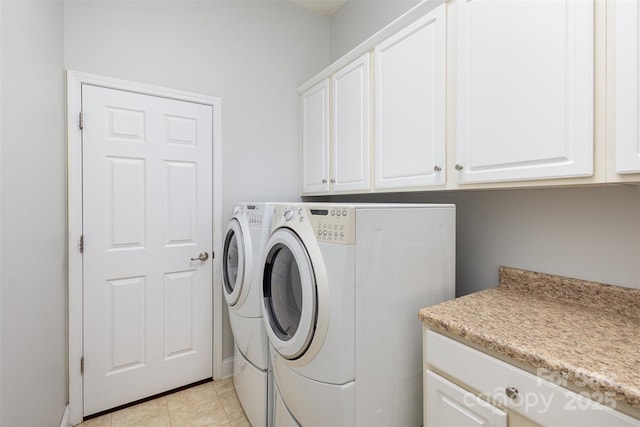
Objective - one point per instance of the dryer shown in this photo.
(342, 286)
(243, 250)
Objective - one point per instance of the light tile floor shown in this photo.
(212, 404)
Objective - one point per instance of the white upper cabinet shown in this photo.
(524, 89)
(351, 127)
(627, 91)
(410, 104)
(463, 94)
(336, 121)
(315, 138)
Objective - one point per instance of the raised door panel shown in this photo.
(446, 404)
(410, 105)
(525, 84)
(182, 203)
(315, 138)
(627, 93)
(126, 205)
(351, 122)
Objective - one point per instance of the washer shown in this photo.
(342, 286)
(244, 244)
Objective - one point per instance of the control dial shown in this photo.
(288, 214)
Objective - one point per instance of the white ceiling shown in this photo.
(326, 7)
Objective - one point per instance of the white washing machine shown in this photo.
(243, 251)
(342, 287)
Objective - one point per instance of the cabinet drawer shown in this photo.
(537, 399)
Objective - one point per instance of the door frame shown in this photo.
(75, 80)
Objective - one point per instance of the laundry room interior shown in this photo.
(253, 58)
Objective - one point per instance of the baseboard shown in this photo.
(227, 367)
(65, 418)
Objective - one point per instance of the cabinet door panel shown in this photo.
(410, 105)
(446, 404)
(315, 138)
(351, 121)
(627, 86)
(524, 89)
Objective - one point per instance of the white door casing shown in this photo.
(151, 203)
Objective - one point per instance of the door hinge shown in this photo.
(81, 244)
(82, 365)
(81, 121)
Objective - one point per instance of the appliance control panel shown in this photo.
(333, 224)
(330, 224)
(254, 212)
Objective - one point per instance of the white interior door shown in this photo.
(147, 211)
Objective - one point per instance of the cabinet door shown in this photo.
(351, 121)
(410, 105)
(627, 86)
(449, 405)
(539, 400)
(315, 138)
(524, 90)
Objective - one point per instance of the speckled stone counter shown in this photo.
(587, 332)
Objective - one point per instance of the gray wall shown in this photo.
(356, 20)
(588, 233)
(33, 215)
(252, 54)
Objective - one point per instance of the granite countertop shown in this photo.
(586, 332)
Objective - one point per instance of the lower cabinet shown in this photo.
(466, 387)
(446, 404)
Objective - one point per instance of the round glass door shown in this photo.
(285, 301)
(233, 262)
(289, 294)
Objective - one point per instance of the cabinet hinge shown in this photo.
(81, 244)
(82, 365)
(81, 121)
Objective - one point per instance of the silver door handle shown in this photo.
(202, 257)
